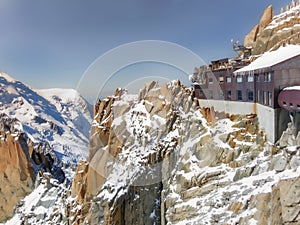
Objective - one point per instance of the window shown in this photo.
(291, 105)
(265, 99)
(261, 77)
(239, 95)
(210, 80)
(298, 107)
(284, 103)
(221, 79)
(239, 79)
(221, 95)
(270, 98)
(258, 96)
(228, 95)
(211, 94)
(269, 78)
(250, 78)
(201, 93)
(228, 79)
(250, 96)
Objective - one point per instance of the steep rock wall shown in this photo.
(20, 159)
(164, 160)
(146, 126)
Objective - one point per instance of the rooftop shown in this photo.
(270, 59)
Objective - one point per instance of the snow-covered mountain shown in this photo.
(59, 116)
(46, 133)
(159, 158)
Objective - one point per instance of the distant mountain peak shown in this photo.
(7, 77)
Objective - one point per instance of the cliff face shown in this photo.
(158, 158)
(43, 135)
(20, 160)
(131, 137)
(274, 31)
(17, 172)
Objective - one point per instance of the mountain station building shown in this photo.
(241, 87)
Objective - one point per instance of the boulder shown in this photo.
(279, 163)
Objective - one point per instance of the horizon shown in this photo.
(53, 44)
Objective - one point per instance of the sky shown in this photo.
(54, 43)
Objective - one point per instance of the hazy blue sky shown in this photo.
(50, 43)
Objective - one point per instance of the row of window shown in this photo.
(263, 97)
(292, 105)
(267, 77)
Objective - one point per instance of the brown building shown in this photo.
(253, 88)
(272, 72)
(218, 80)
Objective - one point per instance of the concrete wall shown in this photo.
(266, 115)
(267, 121)
(230, 107)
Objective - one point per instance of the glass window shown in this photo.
(221, 95)
(239, 79)
(239, 95)
(201, 94)
(261, 77)
(221, 79)
(258, 96)
(250, 96)
(265, 98)
(210, 80)
(228, 79)
(270, 98)
(269, 79)
(228, 95)
(250, 78)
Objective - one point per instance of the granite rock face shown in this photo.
(165, 160)
(266, 18)
(274, 31)
(21, 159)
(131, 138)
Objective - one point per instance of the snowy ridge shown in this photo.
(57, 118)
(60, 117)
(284, 17)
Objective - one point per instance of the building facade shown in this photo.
(254, 88)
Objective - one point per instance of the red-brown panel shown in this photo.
(289, 100)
